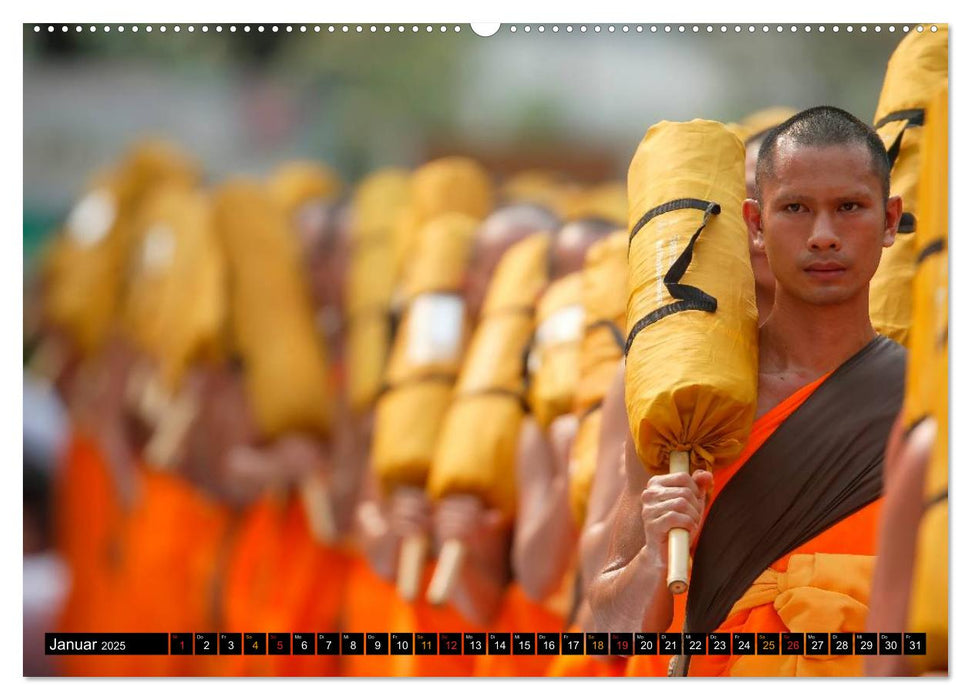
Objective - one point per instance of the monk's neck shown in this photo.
(811, 339)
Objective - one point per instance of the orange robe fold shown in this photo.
(762, 430)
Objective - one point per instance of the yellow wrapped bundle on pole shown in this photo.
(427, 354)
(285, 364)
(606, 201)
(692, 346)
(916, 71)
(83, 268)
(424, 365)
(477, 446)
(758, 123)
(271, 314)
(927, 388)
(175, 307)
(553, 364)
(604, 296)
(541, 187)
(377, 203)
(450, 184)
(302, 182)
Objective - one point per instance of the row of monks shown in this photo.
(412, 404)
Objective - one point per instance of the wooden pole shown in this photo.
(446, 572)
(414, 550)
(678, 537)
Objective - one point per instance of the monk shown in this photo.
(783, 539)
(386, 522)
(544, 537)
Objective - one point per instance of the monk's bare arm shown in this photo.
(608, 481)
(630, 592)
(545, 535)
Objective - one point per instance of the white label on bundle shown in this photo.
(435, 328)
(92, 218)
(158, 248)
(563, 326)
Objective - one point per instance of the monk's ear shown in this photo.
(752, 214)
(895, 208)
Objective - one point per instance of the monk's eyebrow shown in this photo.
(791, 197)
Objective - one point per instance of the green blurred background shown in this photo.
(575, 101)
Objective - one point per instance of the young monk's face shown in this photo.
(823, 222)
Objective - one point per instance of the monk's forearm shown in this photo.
(633, 596)
(479, 590)
(543, 548)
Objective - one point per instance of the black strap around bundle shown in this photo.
(933, 248)
(913, 117)
(688, 298)
(615, 332)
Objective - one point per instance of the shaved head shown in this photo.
(503, 228)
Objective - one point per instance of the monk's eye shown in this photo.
(849, 206)
(794, 208)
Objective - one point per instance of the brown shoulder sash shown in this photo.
(820, 466)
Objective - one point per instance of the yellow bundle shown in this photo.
(604, 297)
(927, 387)
(757, 123)
(300, 182)
(378, 202)
(427, 354)
(452, 184)
(605, 201)
(553, 365)
(477, 447)
(83, 267)
(175, 307)
(692, 355)
(916, 71)
(271, 313)
(544, 188)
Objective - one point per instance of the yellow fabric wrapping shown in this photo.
(299, 182)
(542, 187)
(175, 308)
(916, 71)
(83, 267)
(604, 297)
(378, 201)
(605, 201)
(816, 593)
(553, 364)
(927, 387)
(692, 375)
(477, 445)
(761, 121)
(451, 184)
(271, 315)
(427, 354)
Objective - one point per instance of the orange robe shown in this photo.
(368, 603)
(421, 616)
(519, 614)
(583, 666)
(87, 516)
(279, 579)
(169, 567)
(762, 429)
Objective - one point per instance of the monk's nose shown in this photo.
(823, 235)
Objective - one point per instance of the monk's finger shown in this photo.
(704, 480)
(671, 520)
(680, 504)
(673, 481)
(667, 497)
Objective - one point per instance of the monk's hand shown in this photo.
(410, 512)
(672, 501)
(299, 456)
(466, 518)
